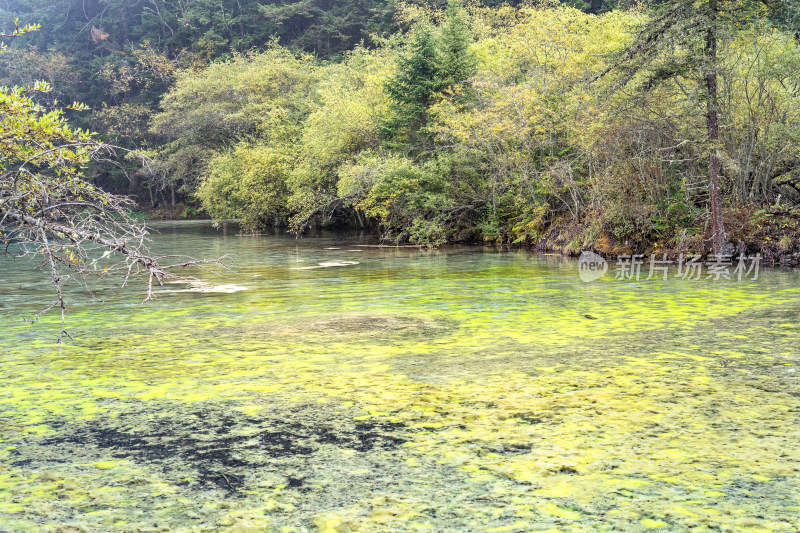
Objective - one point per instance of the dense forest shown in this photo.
(562, 125)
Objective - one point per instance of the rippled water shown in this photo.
(399, 389)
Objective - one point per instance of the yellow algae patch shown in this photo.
(559, 490)
(106, 465)
(40, 429)
(250, 410)
(626, 483)
(330, 523)
(684, 511)
(561, 512)
(245, 522)
(514, 402)
(6, 507)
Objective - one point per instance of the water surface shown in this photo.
(463, 389)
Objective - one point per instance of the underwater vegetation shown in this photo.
(451, 390)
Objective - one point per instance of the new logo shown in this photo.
(591, 266)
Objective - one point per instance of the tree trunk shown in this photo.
(172, 196)
(712, 123)
(123, 17)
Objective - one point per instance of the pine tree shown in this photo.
(430, 67)
(456, 63)
(697, 26)
(413, 87)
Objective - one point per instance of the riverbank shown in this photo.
(773, 233)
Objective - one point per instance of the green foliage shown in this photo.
(456, 60)
(250, 94)
(16, 32)
(413, 87)
(92, 52)
(247, 183)
(437, 136)
(472, 123)
(265, 96)
(344, 122)
(30, 133)
(397, 193)
(432, 64)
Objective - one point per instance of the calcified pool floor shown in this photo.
(402, 390)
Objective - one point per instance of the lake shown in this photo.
(324, 384)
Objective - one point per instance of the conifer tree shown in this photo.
(657, 52)
(456, 62)
(430, 67)
(413, 87)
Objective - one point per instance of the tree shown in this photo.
(456, 62)
(249, 183)
(682, 40)
(412, 88)
(264, 97)
(47, 209)
(430, 66)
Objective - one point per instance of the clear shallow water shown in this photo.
(452, 390)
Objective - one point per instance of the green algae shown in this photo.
(417, 390)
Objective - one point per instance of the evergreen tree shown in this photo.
(413, 87)
(456, 63)
(430, 67)
(658, 54)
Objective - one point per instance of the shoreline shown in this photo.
(772, 233)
